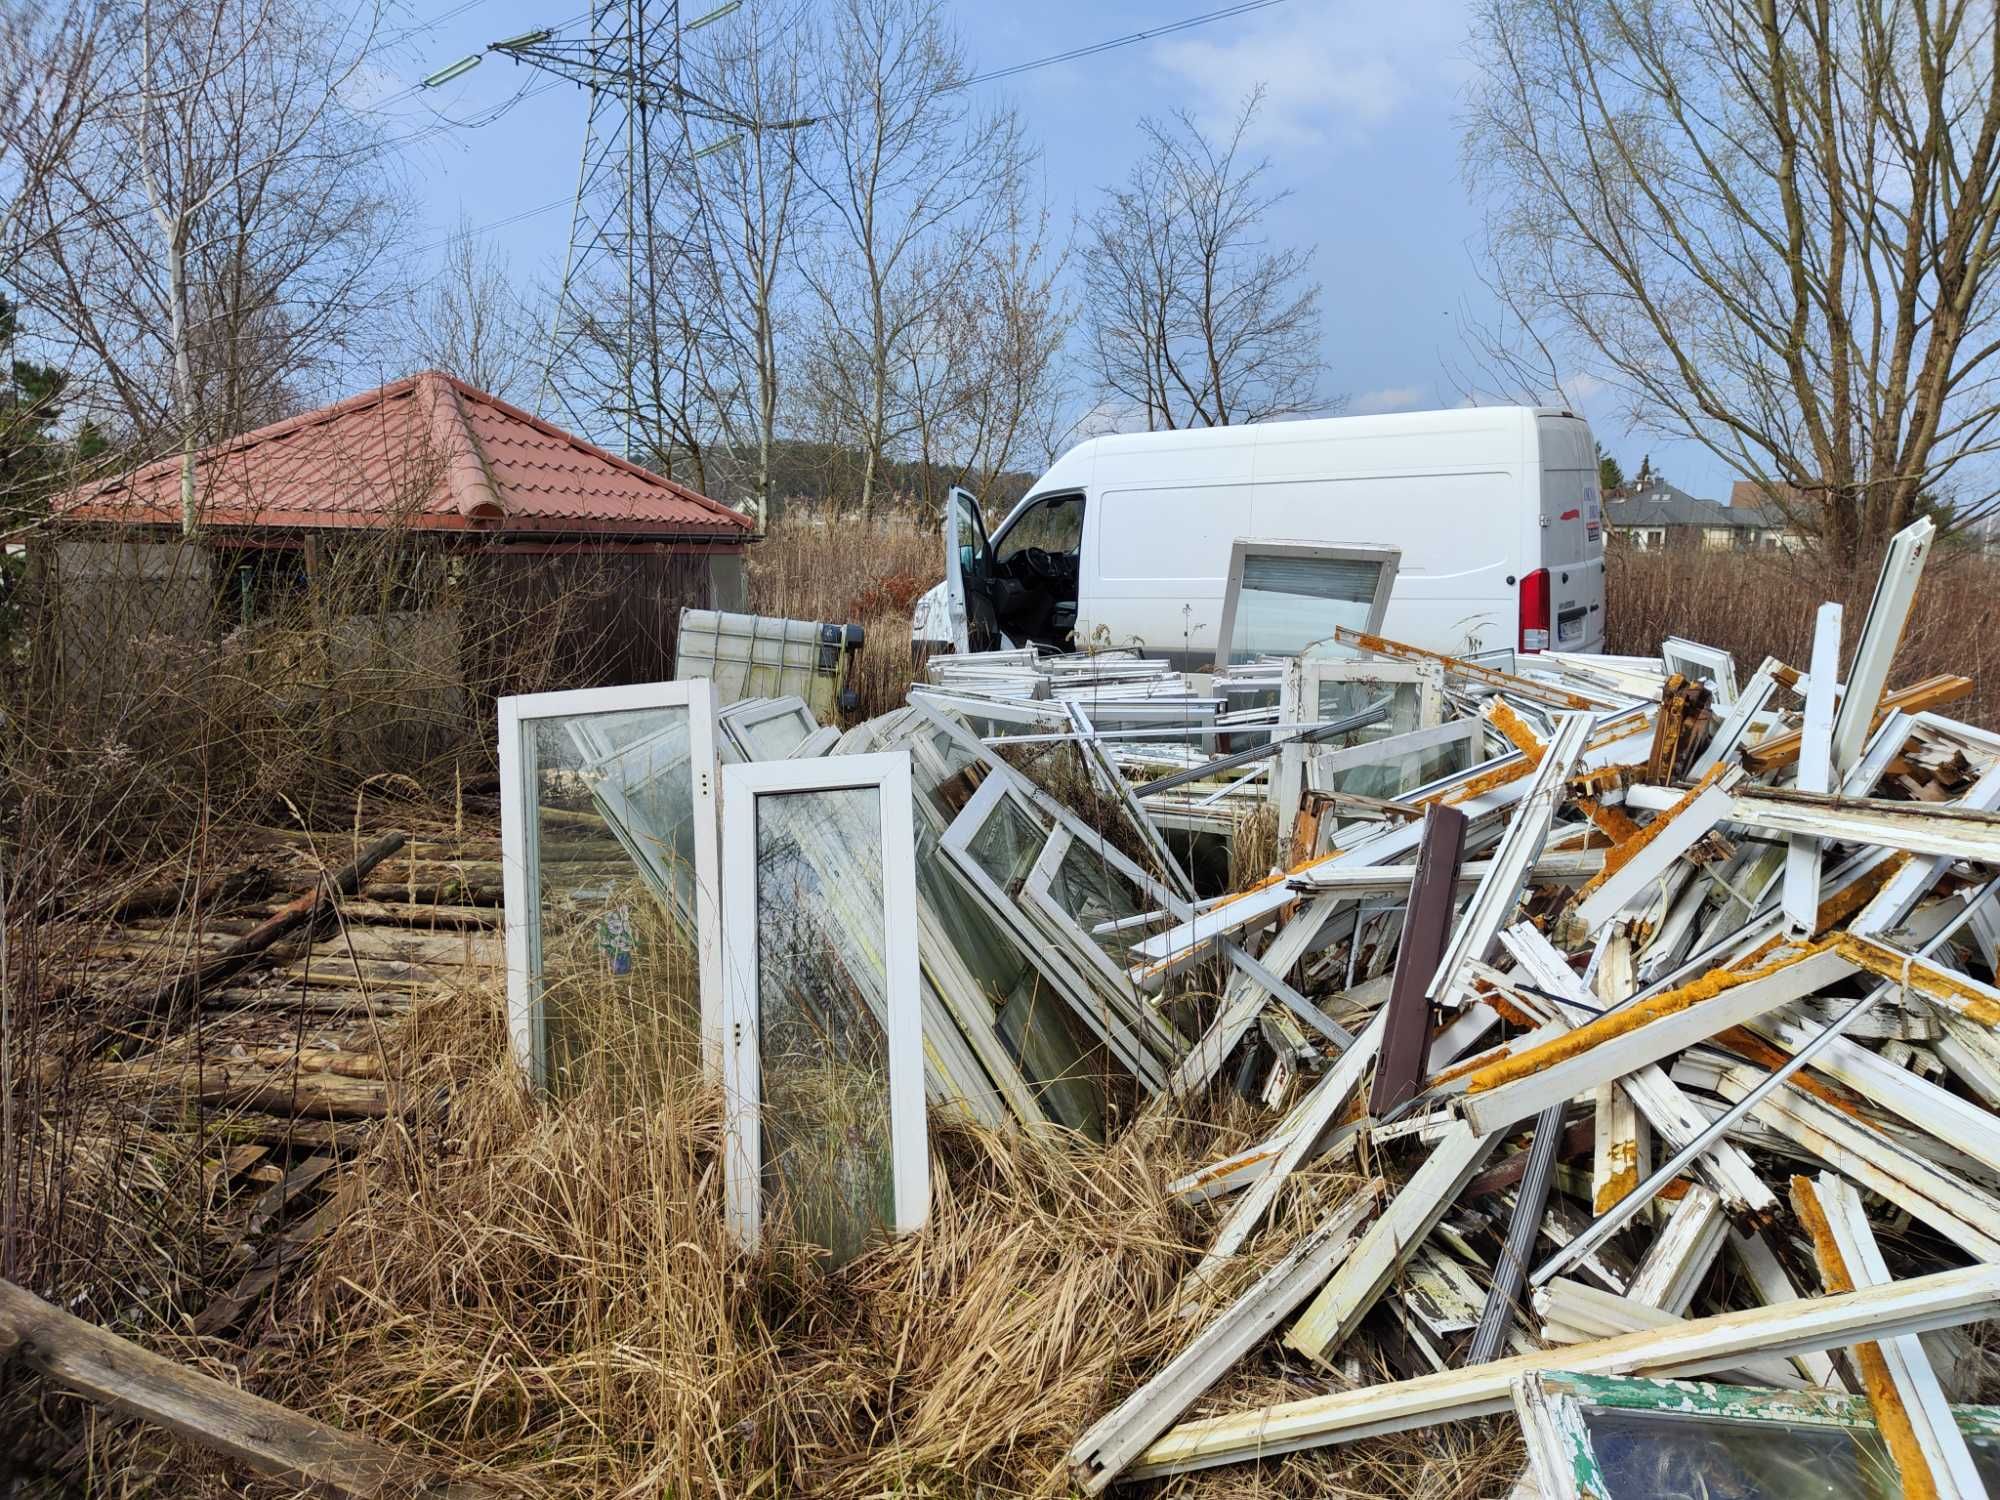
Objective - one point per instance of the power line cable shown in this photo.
(1011, 71)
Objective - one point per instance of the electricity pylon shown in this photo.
(612, 357)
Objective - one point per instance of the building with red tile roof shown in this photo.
(483, 525)
(427, 453)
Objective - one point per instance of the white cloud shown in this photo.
(1333, 69)
(1389, 398)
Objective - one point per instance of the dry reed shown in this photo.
(1755, 604)
(541, 1294)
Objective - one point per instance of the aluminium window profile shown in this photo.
(586, 714)
(877, 964)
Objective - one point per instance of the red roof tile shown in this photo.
(430, 452)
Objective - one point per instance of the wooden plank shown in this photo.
(303, 910)
(135, 1382)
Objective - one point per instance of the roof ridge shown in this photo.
(467, 474)
(549, 429)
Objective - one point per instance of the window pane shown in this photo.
(776, 737)
(1033, 1021)
(1007, 845)
(1287, 603)
(1643, 1455)
(1054, 526)
(612, 942)
(1093, 893)
(822, 987)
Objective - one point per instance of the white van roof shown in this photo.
(1387, 424)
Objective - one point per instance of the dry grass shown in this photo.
(1755, 604)
(870, 573)
(542, 1295)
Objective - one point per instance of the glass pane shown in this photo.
(1007, 845)
(613, 938)
(1285, 604)
(1093, 893)
(776, 737)
(1338, 700)
(822, 988)
(1658, 1456)
(968, 536)
(1033, 1021)
(1391, 778)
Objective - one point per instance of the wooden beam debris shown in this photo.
(135, 1382)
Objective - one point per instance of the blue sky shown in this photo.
(1360, 124)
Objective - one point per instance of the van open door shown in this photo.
(968, 575)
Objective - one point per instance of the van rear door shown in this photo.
(1572, 533)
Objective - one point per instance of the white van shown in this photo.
(1127, 539)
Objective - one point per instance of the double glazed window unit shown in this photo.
(1608, 1437)
(608, 858)
(765, 729)
(823, 1051)
(1010, 855)
(1282, 597)
(1321, 689)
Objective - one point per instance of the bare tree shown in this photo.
(748, 200)
(1194, 321)
(987, 380)
(471, 322)
(911, 182)
(220, 225)
(50, 72)
(1771, 226)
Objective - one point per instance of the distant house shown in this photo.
(486, 527)
(1658, 515)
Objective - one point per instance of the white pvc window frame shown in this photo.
(1298, 703)
(1698, 663)
(1244, 548)
(887, 773)
(520, 832)
(735, 722)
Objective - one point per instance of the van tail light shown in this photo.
(1535, 611)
